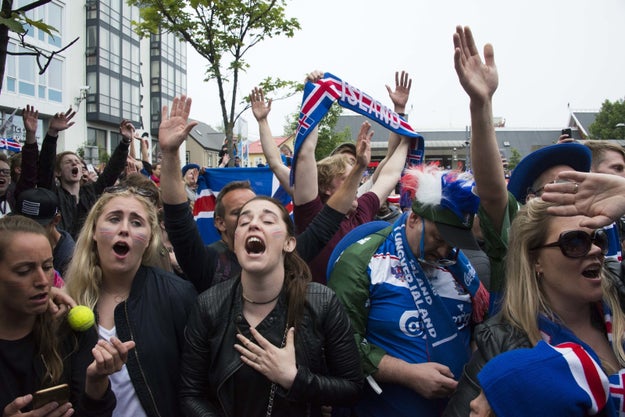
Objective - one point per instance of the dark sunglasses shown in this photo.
(577, 243)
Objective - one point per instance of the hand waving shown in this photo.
(479, 80)
(175, 125)
(60, 122)
(260, 108)
(400, 95)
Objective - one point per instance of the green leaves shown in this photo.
(610, 122)
(18, 22)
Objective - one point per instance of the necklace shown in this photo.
(117, 297)
(260, 302)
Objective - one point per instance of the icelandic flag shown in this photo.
(10, 144)
(262, 180)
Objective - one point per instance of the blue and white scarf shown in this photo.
(319, 97)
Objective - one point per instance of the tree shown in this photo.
(610, 121)
(328, 138)
(17, 22)
(514, 159)
(222, 32)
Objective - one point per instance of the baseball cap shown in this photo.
(454, 229)
(39, 204)
(562, 380)
(575, 155)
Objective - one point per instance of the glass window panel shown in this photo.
(42, 91)
(26, 70)
(55, 95)
(55, 74)
(105, 88)
(11, 84)
(27, 88)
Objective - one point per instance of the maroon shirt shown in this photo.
(368, 206)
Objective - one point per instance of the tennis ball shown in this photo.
(81, 318)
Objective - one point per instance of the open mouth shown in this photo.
(121, 248)
(254, 245)
(3, 181)
(592, 272)
(39, 297)
(75, 171)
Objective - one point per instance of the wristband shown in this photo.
(126, 140)
(404, 115)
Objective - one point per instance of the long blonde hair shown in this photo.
(84, 274)
(524, 299)
(45, 329)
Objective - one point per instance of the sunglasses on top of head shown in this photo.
(577, 243)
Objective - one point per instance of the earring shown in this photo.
(539, 275)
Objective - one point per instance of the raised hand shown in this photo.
(363, 145)
(314, 76)
(30, 116)
(400, 95)
(479, 80)
(127, 129)
(277, 364)
(260, 108)
(60, 122)
(175, 125)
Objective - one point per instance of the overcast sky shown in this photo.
(549, 53)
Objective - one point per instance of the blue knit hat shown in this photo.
(575, 155)
(563, 380)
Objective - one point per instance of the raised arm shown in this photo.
(343, 199)
(58, 123)
(399, 97)
(305, 187)
(261, 109)
(30, 151)
(390, 173)
(172, 132)
(480, 80)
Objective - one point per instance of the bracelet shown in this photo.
(404, 115)
(126, 140)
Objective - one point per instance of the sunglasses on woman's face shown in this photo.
(577, 243)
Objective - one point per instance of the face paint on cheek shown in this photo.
(107, 231)
(140, 237)
(277, 232)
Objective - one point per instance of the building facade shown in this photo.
(107, 74)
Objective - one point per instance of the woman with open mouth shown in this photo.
(269, 342)
(557, 290)
(39, 351)
(115, 272)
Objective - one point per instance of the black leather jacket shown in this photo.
(492, 337)
(328, 363)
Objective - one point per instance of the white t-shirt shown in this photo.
(128, 403)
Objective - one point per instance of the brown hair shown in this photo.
(296, 272)
(45, 330)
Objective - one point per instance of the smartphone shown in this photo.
(567, 132)
(58, 393)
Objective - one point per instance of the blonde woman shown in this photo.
(556, 291)
(36, 350)
(113, 271)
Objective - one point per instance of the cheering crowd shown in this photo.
(471, 295)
